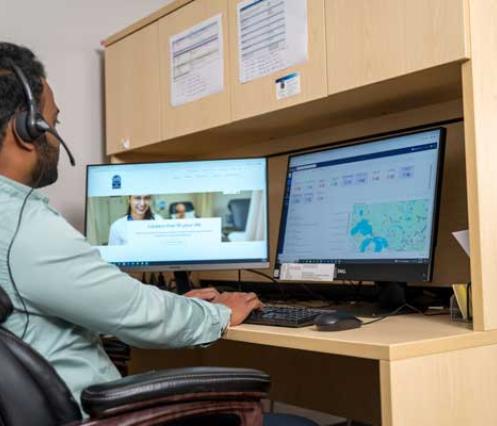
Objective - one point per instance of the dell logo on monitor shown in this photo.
(341, 271)
(116, 182)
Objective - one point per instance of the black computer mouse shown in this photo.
(336, 321)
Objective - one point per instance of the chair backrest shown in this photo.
(30, 388)
(6, 307)
(239, 209)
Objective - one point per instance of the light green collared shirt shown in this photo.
(74, 295)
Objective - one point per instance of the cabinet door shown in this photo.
(253, 51)
(194, 70)
(132, 91)
(374, 40)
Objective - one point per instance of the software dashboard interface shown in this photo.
(369, 202)
(179, 213)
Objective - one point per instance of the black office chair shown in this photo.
(32, 393)
(239, 209)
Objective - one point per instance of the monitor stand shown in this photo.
(182, 279)
(391, 294)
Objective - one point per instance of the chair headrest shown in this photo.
(6, 307)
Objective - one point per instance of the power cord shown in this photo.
(317, 296)
(304, 286)
(394, 312)
(9, 252)
(262, 274)
(9, 267)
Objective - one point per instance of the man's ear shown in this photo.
(28, 146)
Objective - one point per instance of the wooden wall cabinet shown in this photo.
(374, 40)
(351, 45)
(209, 111)
(132, 101)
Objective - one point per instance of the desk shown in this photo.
(401, 371)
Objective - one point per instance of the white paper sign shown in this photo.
(308, 271)
(197, 63)
(272, 35)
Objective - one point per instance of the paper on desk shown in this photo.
(462, 292)
(462, 238)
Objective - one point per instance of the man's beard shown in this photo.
(45, 172)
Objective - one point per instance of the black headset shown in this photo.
(30, 124)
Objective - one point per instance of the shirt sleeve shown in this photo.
(58, 273)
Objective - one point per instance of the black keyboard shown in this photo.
(284, 316)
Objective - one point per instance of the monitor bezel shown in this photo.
(382, 269)
(218, 264)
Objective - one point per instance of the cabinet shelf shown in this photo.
(432, 86)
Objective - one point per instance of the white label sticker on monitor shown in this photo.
(308, 271)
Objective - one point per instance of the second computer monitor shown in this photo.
(179, 215)
(370, 208)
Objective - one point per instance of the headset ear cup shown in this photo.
(41, 126)
(21, 125)
(27, 132)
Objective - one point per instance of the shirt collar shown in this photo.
(20, 190)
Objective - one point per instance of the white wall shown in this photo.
(66, 35)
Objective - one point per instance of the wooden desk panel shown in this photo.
(338, 385)
(457, 388)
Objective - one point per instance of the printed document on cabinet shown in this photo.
(272, 35)
(197, 64)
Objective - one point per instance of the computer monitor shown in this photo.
(370, 208)
(178, 215)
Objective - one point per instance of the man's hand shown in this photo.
(241, 304)
(208, 294)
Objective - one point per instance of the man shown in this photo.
(63, 292)
(179, 211)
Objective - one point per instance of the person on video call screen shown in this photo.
(139, 208)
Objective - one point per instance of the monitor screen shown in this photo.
(370, 208)
(179, 215)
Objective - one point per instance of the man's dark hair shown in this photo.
(12, 97)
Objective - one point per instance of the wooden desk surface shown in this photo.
(393, 338)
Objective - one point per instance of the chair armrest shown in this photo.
(172, 387)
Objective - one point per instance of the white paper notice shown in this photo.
(308, 271)
(197, 64)
(272, 35)
(462, 238)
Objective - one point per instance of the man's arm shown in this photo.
(58, 273)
